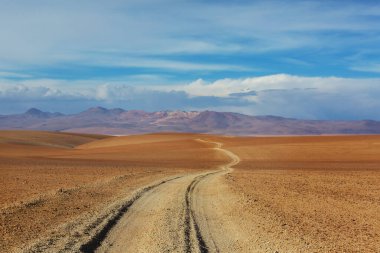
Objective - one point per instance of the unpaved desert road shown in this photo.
(169, 217)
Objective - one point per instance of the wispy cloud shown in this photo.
(5, 74)
(372, 68)
(153, 63)
(65, 31)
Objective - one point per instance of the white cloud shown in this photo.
(224, 87)
(42, 89)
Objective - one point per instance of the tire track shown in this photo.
(94, 243)
(191, 223)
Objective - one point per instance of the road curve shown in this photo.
(201, 196)
(169, 217)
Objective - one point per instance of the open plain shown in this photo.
(173, 192)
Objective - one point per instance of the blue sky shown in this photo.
(302, 59)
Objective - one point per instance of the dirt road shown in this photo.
(168, 217)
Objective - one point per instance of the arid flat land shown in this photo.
(305, 194)
(172, 192)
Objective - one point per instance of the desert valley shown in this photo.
(178, 192)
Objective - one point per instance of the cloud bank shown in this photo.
(282, 95)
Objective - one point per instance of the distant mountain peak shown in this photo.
(97, 109)
(37, 113)
(34, 111)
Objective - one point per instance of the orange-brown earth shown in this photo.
(284, 194)
(305, 194)
(49, 179)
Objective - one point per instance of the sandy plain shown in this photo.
(171, 192)
(302, 194)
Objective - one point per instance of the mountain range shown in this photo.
(121, 122)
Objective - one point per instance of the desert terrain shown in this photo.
(171, 192)
(300, 194)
